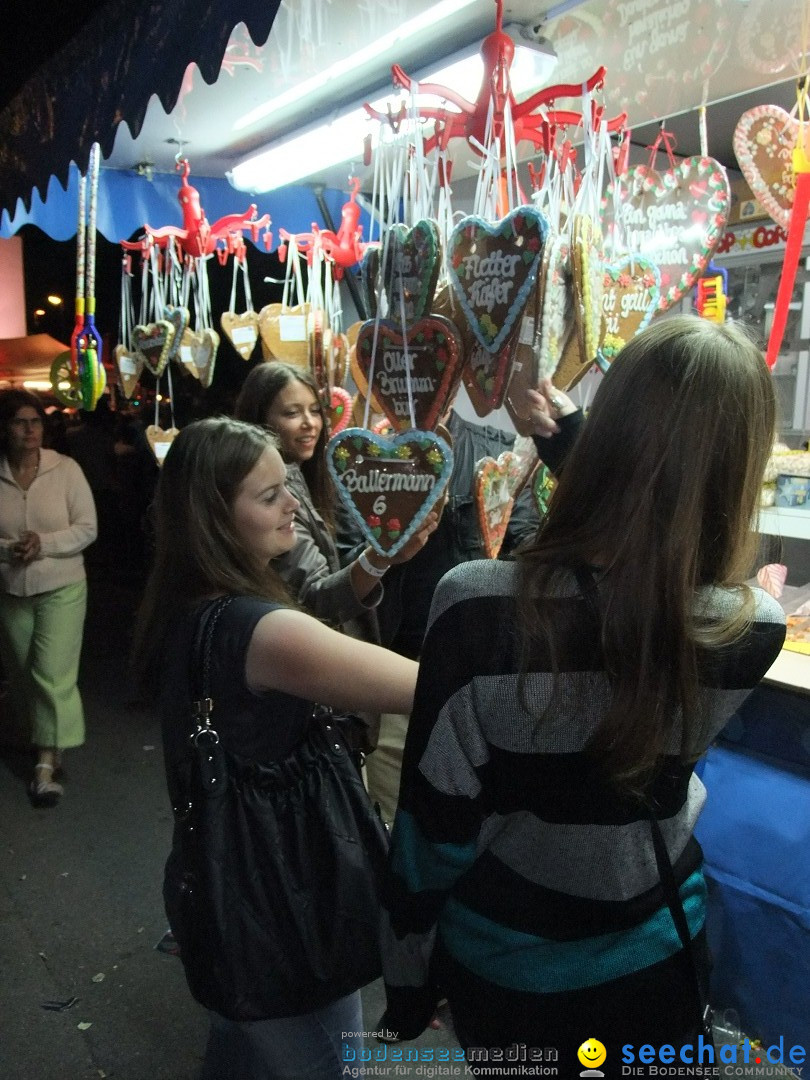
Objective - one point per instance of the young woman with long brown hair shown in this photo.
(561, 705)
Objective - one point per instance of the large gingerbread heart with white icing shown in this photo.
(241, 330)
(399, 277)
(629, 301)
(764, 140)
(494, 487)
(492, 270)
(422, 366)
(389, 485)
(674, 218)
(130, 365)
(153, 343)
(285, 333)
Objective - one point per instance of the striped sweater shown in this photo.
(509, 851)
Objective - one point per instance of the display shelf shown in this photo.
(785, 521)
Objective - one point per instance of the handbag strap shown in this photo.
(200, 663)
(588, 587)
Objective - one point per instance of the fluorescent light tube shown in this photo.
(430, 17)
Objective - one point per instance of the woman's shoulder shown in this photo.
(718, 602)
(477, 579)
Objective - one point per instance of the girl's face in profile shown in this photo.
(297, 418)
(263, 509)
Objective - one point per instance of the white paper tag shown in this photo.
(292, 327)
(126, 366)
(246, 335)
(162, 448)
(186, 355)
(526, 330)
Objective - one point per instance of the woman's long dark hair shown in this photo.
(660, 492)
(197, 551)
(256, 397)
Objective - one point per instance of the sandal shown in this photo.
(43, 790)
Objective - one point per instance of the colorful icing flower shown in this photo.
(434, 457)
(457, 259)
(373, 521)
(611, 345)
(341, 458)
(403, 451)
(763, 136)
(373, 449)
(648, 280)
(488, 327)
(625, 280)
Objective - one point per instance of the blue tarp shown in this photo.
(127, 202)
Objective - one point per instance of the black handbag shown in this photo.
(272, 885)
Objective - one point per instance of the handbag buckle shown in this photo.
(202, 709)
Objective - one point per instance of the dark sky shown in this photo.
(34, 31)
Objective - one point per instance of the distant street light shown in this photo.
(54, 299)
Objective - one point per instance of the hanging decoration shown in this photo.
(798, 220)
(494, 487)
(675, 218)
(764, 140)
(343, 248)
(389, 485)
(242, 330)
(78, 377)
(632, 287)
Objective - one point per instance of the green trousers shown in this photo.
(41, 642)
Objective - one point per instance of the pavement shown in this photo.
(85, 992)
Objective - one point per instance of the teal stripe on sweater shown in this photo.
(423, 865)
(519, 961)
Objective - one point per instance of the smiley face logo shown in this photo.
(591, 1054)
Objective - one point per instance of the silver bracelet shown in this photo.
(370, 568)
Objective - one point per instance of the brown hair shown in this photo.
(253, 405)
(660, 493)
(10, 402)
(198, 553)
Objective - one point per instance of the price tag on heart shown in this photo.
(389, 485)
(425, 360)
(674, 218)
(198, 353)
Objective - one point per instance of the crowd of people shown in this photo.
(545, 709)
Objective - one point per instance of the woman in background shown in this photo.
(47, 519)
(561, 705)
(284, 398)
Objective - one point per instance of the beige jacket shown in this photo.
(59, 507)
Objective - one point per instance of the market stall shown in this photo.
(492, 236)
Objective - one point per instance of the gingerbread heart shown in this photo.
(524, 373)
(198, 353)
(629, 301)
(153, 343)
(241, 330)
(764, 140)
(285, 333)
(494, 487)
(389, 485)
(179, 318)
(399, 276)
(492, 269)
(421, 367)
(130, 366)
(160, 440)
(486, 375)
(557, 314)
(340, 409)
(675, 219)
(587, 285)
(543, 484)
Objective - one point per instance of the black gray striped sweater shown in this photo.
(508, 849)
